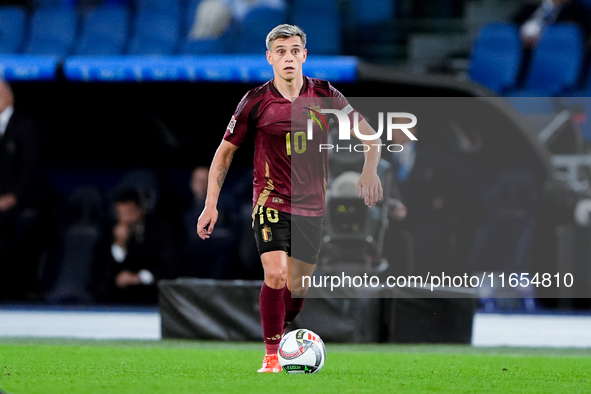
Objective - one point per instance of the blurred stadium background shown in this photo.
(122, 93)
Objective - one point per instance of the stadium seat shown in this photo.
(257, 23)
(323, 30)
(159, 6)
(104, 32)
(317, 6)
(189, 15)
(556, 62)
(53, 3)
(154, 34)
(496, 57)
(76, 251)
(372, 12)
(52, 32)
(13, 24)
(204, 47)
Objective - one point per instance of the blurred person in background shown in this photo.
(20, 148)
(431, 189)
(212, 17)
(205, 259)
(142, 250)
(534, 18)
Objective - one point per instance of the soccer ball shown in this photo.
(301, 351)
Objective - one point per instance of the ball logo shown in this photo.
(290, 355)
(301, 351)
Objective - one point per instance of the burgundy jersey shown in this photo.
(290, 171)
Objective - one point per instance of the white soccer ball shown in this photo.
(301, 351)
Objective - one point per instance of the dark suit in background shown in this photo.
(151, 253)
(20, 177)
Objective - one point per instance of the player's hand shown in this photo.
(7, 201)
(206, 222)
(369, 187)
(127, 278)
(397, 210)
(121, 233)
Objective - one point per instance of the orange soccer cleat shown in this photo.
(270, 364)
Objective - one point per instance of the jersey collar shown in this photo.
(278, 94)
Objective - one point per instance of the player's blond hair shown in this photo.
(285, 31)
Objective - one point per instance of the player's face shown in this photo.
(287, 56)
(6, 97)
(128, 212)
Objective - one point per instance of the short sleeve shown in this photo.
(237, 129)
(340, 102)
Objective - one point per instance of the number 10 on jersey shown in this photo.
(299, 142)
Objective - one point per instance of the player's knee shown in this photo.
(276, 277)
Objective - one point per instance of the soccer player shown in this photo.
(280, 214)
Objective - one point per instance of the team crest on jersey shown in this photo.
(267, 234)
(313, 112)
(232, 124)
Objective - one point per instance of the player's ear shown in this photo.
(269, 57)
(305, 54)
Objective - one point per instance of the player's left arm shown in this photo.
(369, 185)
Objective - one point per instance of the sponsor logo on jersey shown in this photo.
(313, 113)
(278, 200)
(232, 124)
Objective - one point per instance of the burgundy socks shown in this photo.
(293, 306)
(272, 316)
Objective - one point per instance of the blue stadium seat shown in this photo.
(257, 23)
(556, 61)
(169, 7)
(313, 5)
(54, 3)
(323, 30)
(204, 47)
(13, 24)
(52, 32)
(189, 14)
(372, 12)
(496, 57)
(105, 31)
(154, 34)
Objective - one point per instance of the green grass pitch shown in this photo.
(81, 366)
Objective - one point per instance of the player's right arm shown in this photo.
(234, 136)
(217, 174)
